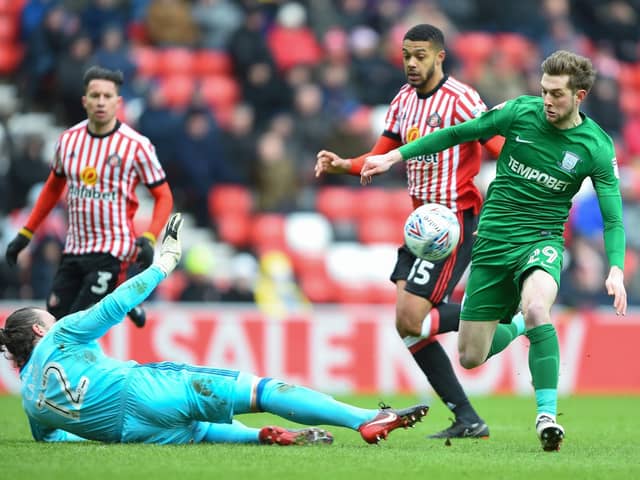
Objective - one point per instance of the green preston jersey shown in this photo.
(539, 171)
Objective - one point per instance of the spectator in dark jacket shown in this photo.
(199, 153)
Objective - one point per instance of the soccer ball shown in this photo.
(431, 232)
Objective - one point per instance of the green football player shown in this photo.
(550, 148)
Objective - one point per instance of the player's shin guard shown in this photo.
(544, 361)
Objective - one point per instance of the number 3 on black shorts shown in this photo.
(102, 282)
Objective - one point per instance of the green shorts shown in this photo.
(497, 272)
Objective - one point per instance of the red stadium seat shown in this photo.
(360, 120)
(372, 201)
(401, 204)
(382, 293)
(352, 293)
(233, 228)
(518, 50)
(212, 62)
(366, 293)
(9, 28)
(219, 91)
(12, 7)
(474, 47)
(10, 58)
(267, 232)
(629, 102)
(230, 209)
(308, 264)
(146, 60)
(176, 61)
(336, 203)
(318, 289)
(316, 285)
(631, 136)
(380, 229)
(291, 47)
(229, 199)
(224, 115)
(629, 76)
(178, 90)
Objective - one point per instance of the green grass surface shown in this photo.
(603, 441)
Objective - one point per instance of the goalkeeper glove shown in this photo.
(170, 249)
(145, 243)
(16, 245)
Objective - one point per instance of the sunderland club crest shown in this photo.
(434, 120)
(114, 160)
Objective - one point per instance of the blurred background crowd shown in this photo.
(238, 96)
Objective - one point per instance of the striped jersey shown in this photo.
(102, 172)
(445, 177)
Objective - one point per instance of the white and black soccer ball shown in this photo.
(431, 232)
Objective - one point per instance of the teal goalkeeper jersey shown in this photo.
(539, 171)
(69, 386)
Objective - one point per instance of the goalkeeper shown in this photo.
(72, 391)
(550, 148)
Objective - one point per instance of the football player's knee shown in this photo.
(470, 358)
(537, 313)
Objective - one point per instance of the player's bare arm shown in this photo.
(615, 287)
(329, 162)
(377, 164)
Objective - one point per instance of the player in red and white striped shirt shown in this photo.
(100, 161)
(428, 101)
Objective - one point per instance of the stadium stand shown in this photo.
(192, 74)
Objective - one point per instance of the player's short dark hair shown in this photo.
(101, 73)
(17, 337)
(424, 32)
(579, 69)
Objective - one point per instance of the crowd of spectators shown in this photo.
(302, 76)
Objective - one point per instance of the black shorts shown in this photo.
(436, 280)
(82, 280)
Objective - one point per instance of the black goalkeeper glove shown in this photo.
(16, 245)
(146, 244)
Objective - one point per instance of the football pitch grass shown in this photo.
(602, 442)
